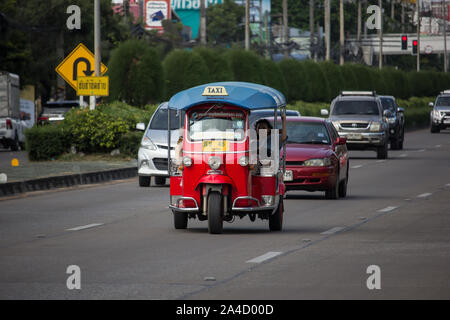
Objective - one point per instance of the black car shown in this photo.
(396, 122)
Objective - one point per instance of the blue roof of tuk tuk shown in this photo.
(246, 95)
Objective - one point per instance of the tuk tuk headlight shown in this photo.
(214, 162)
(187, 162)
(243, 161)
(317, 162)
(267, 200)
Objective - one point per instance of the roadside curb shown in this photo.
(12, 188)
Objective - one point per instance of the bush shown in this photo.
(273, 77)
(350, 82)
(294, 78)
(129, 143)
(184, 69)
(46, 142)
(136, 74)
(245, 66)
(334, 77)
(216, 63)
(318, 88)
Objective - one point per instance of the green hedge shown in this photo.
(129, 143)
(46, 142)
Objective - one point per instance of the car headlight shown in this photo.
(317, 162)
(214, 162)
(375, 126)
(335, 124)
(148, 144)
(243, 161)
(436, 114)
(391, 120)
(187, 162)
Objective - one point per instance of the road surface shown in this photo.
(396, 217)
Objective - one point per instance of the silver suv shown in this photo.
(358, 116)
(440, 115)
(152, 155)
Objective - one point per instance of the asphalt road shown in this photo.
(396, 216)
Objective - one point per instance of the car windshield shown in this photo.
(58, 108)
(217, 124)
(443, 102)
(159, 120)
(307, 133)
(388, 104)
(364, 107)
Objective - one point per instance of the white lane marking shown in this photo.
(424, 195)
(85, 227)
(333, 230)
(421, 150)
(265, 256)
(403, 155)
(447, 185)
(387, 209)
(379, 161)
(438, 146)
(356, 167)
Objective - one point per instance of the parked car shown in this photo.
(316, 157)
(359, 117)
(396, 121)
(440, 115)
(153, 152)
(54, 111)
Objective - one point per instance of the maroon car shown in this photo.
(316, 157)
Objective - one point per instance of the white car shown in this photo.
(440, 115)
(153, 152)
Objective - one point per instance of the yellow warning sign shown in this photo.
(93, 86)
(79, 63)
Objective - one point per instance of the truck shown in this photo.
(11, 127)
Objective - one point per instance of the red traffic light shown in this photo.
(414, 42)
(404, 38)
(414, 46)
(404, 42)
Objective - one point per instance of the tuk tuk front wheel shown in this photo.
(180, 220)
(215, 217)
(276, 219)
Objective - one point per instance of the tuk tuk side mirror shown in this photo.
(341, 141)
(402, 110)
(431, 104)
(324, 112)
(140, 126)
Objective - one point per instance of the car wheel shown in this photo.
(180, 220)
(144, 181)
(160, 181)
(435, 129)
(333, 193)
(215, 216)
(276, 219)
(343, 187)
(382, 152)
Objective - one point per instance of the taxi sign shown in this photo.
(93, 86)
(80, 62)
(215, 91)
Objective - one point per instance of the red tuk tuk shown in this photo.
(218, 173)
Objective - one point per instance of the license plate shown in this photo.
(215, 146)
(354, 136)
(288, 176)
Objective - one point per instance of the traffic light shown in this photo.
(404, 42)
(414, 47)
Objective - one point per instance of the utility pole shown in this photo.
(403, 16)
(327, 29)
(202, 23)
(341, 32)
(286, 28)
(358, 29)
(247, 25)
(311, 28)
(98, 54)
(380, 32)
(418, 34)
(444, 20)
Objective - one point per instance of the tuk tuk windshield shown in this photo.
(217, 124)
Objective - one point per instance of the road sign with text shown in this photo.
(93, 86)
(79, 63)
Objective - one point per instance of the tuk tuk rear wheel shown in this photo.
(276, 219)
(180, 220)
(215, 216)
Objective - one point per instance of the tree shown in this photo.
(224, 23)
